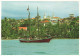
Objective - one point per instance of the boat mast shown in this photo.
(29, 19)
(38, 20)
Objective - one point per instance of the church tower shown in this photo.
(53, 15)
(44, 17)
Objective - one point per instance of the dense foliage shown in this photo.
(9, 28)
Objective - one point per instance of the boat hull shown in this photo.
(29, 41)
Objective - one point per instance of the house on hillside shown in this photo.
(45, 22)
(33, 18)
(54, 20)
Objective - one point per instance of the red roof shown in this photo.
(55, 17)
(45, 21)
(33, 18)
(60, 19)
(24, 28)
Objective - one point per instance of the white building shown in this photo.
(54, 19)
(71, 15)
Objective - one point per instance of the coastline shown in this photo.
(65, 38)
(52, 38)
(9, 39)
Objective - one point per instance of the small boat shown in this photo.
(46, 39)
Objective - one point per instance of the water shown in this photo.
(54, 47)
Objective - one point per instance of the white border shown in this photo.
(0, 27)
(40, 0)
(37, 55)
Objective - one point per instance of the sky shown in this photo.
(18, 9)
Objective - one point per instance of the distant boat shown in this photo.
(34, 40)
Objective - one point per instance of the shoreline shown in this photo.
(65, 38)
(52, 38)
(9, 39)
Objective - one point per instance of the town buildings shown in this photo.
(52, 19)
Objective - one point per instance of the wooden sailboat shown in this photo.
(47, 39)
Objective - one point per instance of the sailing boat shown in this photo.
(34, 40)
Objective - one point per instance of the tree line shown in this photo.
(10, 30)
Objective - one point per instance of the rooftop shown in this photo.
(24, 28)
(45, 21)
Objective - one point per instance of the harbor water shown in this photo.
(54, 47)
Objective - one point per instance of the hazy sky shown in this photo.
(58, 8)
